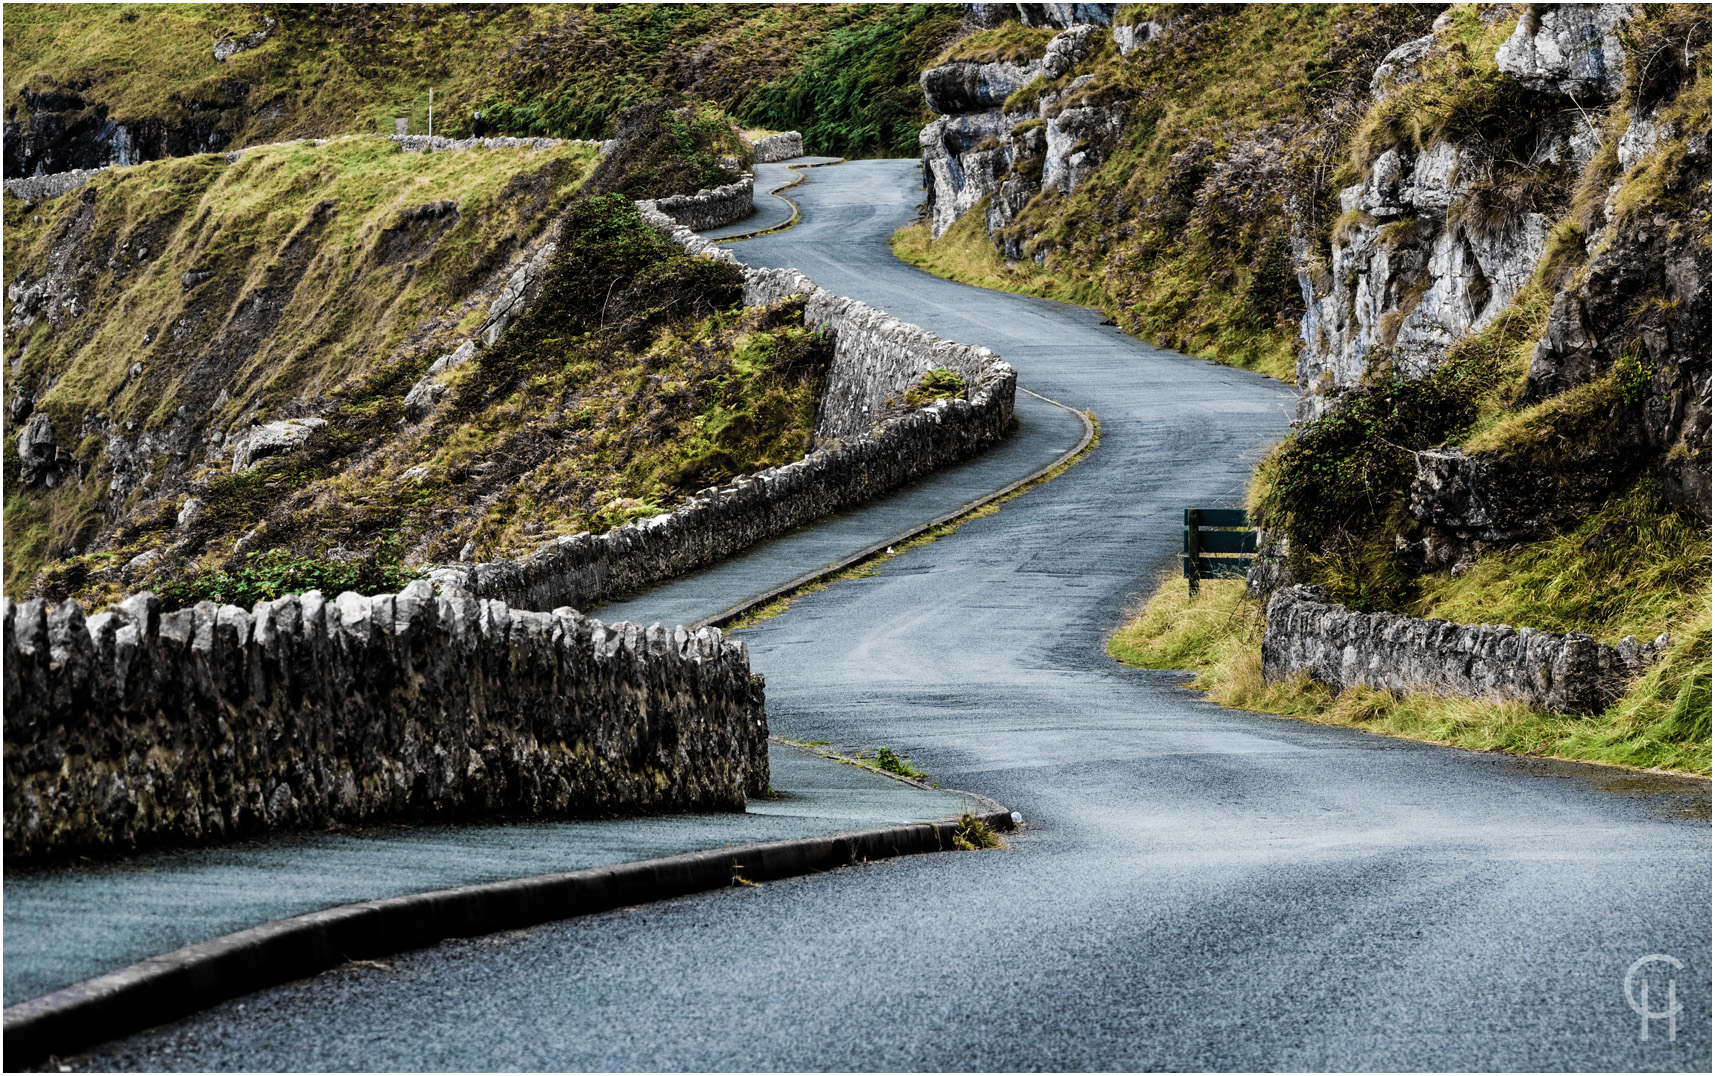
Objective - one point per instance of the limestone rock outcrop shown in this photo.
(978, 149)
(1571, 49)
(1418, 262)
(1059, 15)
(274, 439)
(228, 47)
(42, 461)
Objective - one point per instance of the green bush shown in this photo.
(613, 281)
(1344, 472)
(274, 573)
(937, 384)
(856, 94)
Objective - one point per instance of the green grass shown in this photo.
(1011, 41)
(973, 834)
(327, 70)
(964, 253)
(312, 235)
(844, 74)
(1663, 721)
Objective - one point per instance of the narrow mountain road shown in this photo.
(1197, 888)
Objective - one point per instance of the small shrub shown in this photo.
(668, 147)
(1633, 372)
(264, 576)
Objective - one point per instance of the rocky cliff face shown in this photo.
(62, 132)
(1438, 238)
(1009, 130)
(1579, 210)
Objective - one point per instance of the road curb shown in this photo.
(174, 985)
(797, 213)
(838, 566)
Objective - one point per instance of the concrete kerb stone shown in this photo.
(177, 984)
(724, 617)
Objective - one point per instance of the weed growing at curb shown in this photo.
(909, 773)
(885, 759)
(973, 833)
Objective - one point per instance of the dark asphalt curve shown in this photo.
(1197, 888)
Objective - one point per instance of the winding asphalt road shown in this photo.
(1198, 888)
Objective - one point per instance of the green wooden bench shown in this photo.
(1215, 531)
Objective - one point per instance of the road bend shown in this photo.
(1195, 888)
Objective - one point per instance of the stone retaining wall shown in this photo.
(874, 355)
(714, 208)
(1565, 673)
(136, 728)
(133, 728)
(877, 357)
(777, 147)
(35, 188)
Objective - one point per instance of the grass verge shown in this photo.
(1662, 723)
(965, 254)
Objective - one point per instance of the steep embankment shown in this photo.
(79, 93)
(228, 378)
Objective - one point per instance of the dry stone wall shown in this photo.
(36, 188)
(133, 727)
(707, 209)
(1566, 673)
(777, 147)
(877, 357)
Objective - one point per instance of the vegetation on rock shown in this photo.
(1573, 413)
(1183, 232)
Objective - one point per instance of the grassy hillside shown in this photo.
(187, 299)
(1183, 233)
(845, 74)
